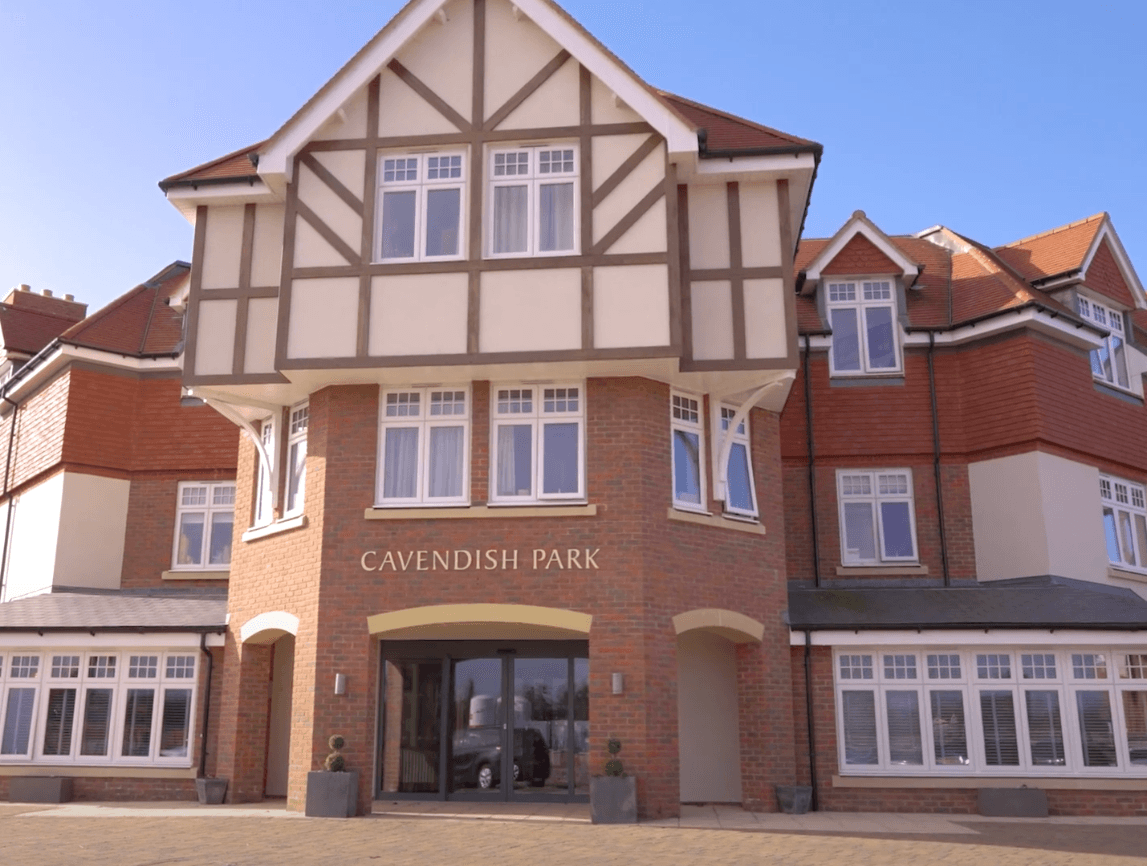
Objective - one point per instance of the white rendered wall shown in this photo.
(35, 534)
(708, 733)
(93, 528)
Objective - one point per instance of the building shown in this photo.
(113, 605)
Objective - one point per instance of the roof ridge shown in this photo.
(795, 139)
(1053, 231)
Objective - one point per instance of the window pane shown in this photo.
(1044, 728)
(58, 725)
(510, 219)
(1111, 536)
(998, 714)
(398, 224)
(949, 734)
(445, 461)
(738, 483)
(515, 462)
(221, 525)
(1097, 728)
(97, 722)
(18, 721)
(1101, 362)
(176, 721)
(555, 217)
(896, 527)
(686, 467)
(859, 532)
(190, 545)
(881, 343)
(443, 209)
(845, 340)
(859, 709)
(1118, 360)
(137, 723)
(1134, 714)
(297, 460)
(560, 471)
(904, 743)
(400, 461)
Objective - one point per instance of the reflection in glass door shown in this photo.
(478, 726)
(412, 744)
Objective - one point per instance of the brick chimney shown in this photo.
(23, 298)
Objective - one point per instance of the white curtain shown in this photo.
(514, 459)
(400, 457)
(445, 462)
(511, 207)
(555, 217)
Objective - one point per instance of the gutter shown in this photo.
(1026, 305)
(249, 179)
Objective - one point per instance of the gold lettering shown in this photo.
(491, 560)
(555, 559)
(539, 554)
(574, 558)
(477, 560)
(389, 558)
(590, 562)
(444, 559)
(422, 560)
(366, 567)
(506, 560)
(458, 554)
(406, 560)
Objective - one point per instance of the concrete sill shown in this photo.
(740, 524)
(275, 528)
(195, 575)
(104, 772)
(1119, 573)
(481, 512)
(881, 570)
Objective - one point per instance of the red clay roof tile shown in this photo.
(728, 132)
(27, 331)
(1058, 251)
(234, 166)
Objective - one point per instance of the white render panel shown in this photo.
(766, 333)
(555, 103)
(529, 311)
(602, 108)
(424, 314)
(1072, 508)
(324, 318)
(648, 235)
(262, 324)
(442, 56)
(631, 306)
(712, 320)
(610, 151)
(267, 245)
(35, 536)
(650, 173)
(222, 247)
(215, 338)
(352, 123)
(93, 528)
(707, 719)
(760, 225)
(708, 226)
(332, 210)
(403, 112)
(349, 166)
(516, 50)
(312, 250)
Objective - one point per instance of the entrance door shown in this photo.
(516, 720)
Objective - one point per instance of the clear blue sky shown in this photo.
(998, 119)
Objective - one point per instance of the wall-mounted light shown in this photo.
(340, 684)
(618, 683)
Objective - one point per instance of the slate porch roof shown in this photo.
(87, 610)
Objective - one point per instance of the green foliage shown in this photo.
(335, 762)
(613, 766)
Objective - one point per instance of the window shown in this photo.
(424, 447)
(113, 707)
(296, 458)
(264, 510)
(420, 207)
(533, 195)
(204, 518)
(688, 434)
(538, 443)
(1124, 522)
(1109, 362)
(877, 518)
(992, 711)
(862, 316)
(740, 491)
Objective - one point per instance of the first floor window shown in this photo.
(264, 508)
(420, 206)
(297, 457)
(204, 522)
(862, 315)
(424, 443)
(877, 520)
(538, 443)
(533, 195)
(687, 430)
(740, 492)
(1109, 361)
(1124, 522)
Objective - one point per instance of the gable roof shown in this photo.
(239, 165)
(1055, 252)
(723, 134)
(859, 224)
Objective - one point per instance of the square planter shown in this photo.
(1013, 802)
(613, 799)
(794, 799)
(40, 789)
(332, 795)
(210, 791)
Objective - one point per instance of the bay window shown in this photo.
(424, 447)
(1108, 362)
(205, 515)
(420, 207)
(538, 434)
(687, 431)
(863, 318)
(877, 516)
(533, 193)
(1124, 522)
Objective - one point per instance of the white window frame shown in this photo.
(1108, 363)
(209, 508)
(849, 293)
(264, 495)
(538, 418)
(423, 420)
(422, 185)
(687, 417)
(1074, 670)
(294, 493)
(1124, 508)
(534, 180)
(723, 414)
(168, 676)
(875, 498)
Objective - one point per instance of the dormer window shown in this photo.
(1108, 363)
(862, 315)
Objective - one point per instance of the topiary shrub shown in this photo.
(613, 766)
(335, 762)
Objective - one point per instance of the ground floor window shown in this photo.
(484, 720)
(992, 711)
